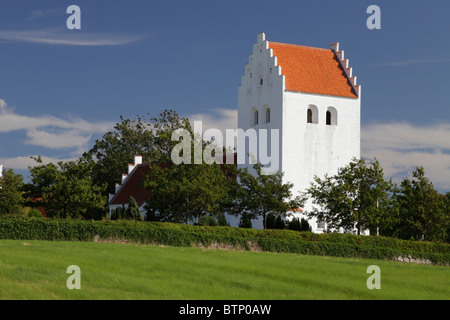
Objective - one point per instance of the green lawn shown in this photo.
(37, 270)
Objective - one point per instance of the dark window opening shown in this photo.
(309, 116)
(255, 117)
(328, 121)
(261, 81)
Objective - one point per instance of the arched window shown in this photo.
(311, 114)
(255, 117)
(267, 115)
(328, 118)
(331, 116)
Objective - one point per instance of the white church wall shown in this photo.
(310, 149)
(261, 87)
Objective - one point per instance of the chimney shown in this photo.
(124, 176)
(117, 187)
(137, 160)
(130, 167)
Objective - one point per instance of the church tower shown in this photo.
(311, 98)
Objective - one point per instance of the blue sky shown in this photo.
(61, 89)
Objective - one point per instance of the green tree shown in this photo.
(133, 211)
(245, 221)
(186, 192)
(66, 190)
(422, 211)
(298, 224)
(357, 196)
(262, 194)
(149, 137)
(11, 186)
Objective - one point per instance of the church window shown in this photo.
(255, 117)
(331, 117)
(311, 114)
(268, 115)
(320, 224)
(261, 81)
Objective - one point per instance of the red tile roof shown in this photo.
(133, 187)
(312, 70)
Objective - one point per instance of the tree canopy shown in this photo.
(66, 190)
(150, 138)
(422, 212)
(263, 194)
(11, 192)
(356, 197)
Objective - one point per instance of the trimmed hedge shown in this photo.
(331, 244)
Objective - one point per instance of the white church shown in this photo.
(310, 96)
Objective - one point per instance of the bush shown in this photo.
(35, 213)
(164, 233)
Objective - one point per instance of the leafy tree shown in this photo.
(245, 221)
(358, 195)
(11, 185)
(150, 138)
(120, 213)
(207, 220)
(298, 224)
(183, 191)
(186, 192)
(66, 190)
(422, 211)
(270, 221)
(130, 212)
(260, 194)
(133, 210)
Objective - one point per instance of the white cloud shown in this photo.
(23, 162)
(58, 37)
(221, 119)
(401, 147)
(51, 132)
(37, 14)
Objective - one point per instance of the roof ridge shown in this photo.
(298, 45)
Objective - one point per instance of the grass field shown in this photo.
(37, 270)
